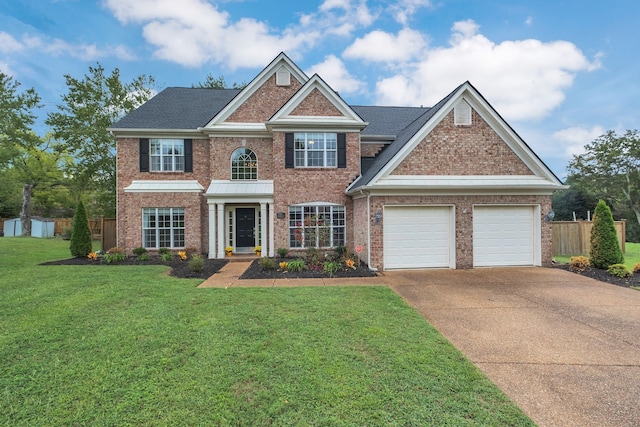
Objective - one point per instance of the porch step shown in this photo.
(241, 257)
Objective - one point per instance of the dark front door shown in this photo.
(245, 224)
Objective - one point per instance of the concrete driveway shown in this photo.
(564, 347)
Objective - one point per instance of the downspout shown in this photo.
(369, 230)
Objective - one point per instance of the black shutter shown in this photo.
(144, 154)
(342, 150)
(288, 151)
(188, 155)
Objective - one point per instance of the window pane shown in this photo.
(331, 158)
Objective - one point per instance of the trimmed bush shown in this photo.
(139, 251)
(80, 244)
(282, 252)
(267, 263)
(296, 265)
(196, 263)
(605, 249)
(619, 270)
(579, 262)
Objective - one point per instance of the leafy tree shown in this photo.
(91, 105)
(574, 199)
(218, 83)
(610, 170)
(605, 248)
(80, 245)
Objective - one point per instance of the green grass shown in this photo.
(124, 345)
(631, 256)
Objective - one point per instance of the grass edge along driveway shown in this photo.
(124, 345)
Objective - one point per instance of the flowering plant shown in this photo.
(258, 249)
(228, 249)
(182, 255)
(350, 264)
(93, 256)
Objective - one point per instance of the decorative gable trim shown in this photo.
(284, 119)
(278, 66)
(469, 95)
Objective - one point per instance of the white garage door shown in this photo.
(418, 237)
(503, 236)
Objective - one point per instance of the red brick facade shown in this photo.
(447, 150)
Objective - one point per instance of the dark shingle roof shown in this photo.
(387, 121)
(178, 108)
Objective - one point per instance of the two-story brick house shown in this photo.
(285, 162)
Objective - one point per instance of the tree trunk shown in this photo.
(25, 212)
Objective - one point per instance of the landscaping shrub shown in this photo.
(139, 251)
(196, 263)
(282, 252)
(605, 249)
(144, 257)
(80, 244)
(163, 251)
(636, 268)
(296, 265)
(314, 258)
(579, 262)
(166, 256)
(331, 267)
(114, 255)
(619, 270)
(267, 263)
(284, 265)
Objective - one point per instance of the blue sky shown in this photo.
(560, 72)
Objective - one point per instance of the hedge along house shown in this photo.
(286, 162)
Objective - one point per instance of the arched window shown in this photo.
(244, 164)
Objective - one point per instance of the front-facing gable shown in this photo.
(436, 154)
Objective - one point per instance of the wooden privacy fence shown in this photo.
(103, 229)
(574, 237)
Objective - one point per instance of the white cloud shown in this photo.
(193, 32)
(8, 43)
(333, 71)
(379, 46)
(403, 9)
(574, 139)
(522, 79)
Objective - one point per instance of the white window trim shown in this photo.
(306, 150)
(334, 209)
(173, 210)
(162, 156)
(232, 166)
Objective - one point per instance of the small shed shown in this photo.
(12, 227)
(41, 227)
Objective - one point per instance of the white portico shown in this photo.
(241, 215)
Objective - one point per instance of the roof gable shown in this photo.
(417, 131)
(281, 64)
(316, 104)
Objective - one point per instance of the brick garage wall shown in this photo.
(316, 104)
(307, 185)
(223, 148)
(463, 222)
(129, 205)
(462, 150)
(265, 101)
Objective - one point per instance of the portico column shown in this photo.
(212, 230)
(220, 230)
(263, 228)
(272, 222)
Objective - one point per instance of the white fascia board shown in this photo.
(164, 186)
(316, 83)
(236, 128)
(154, 133)
(314, 122)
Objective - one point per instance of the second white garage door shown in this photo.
(418, 237)
(503, 236)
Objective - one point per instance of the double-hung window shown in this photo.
(166, 155)
(316, 149)
(163, 228)
(316, 226)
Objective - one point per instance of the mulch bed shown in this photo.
(179, 268)
(256, 272)
(604, 276)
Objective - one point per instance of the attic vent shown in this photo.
(462, 114)
(283, 77)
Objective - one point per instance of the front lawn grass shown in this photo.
(125, 345)
(631, 256)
